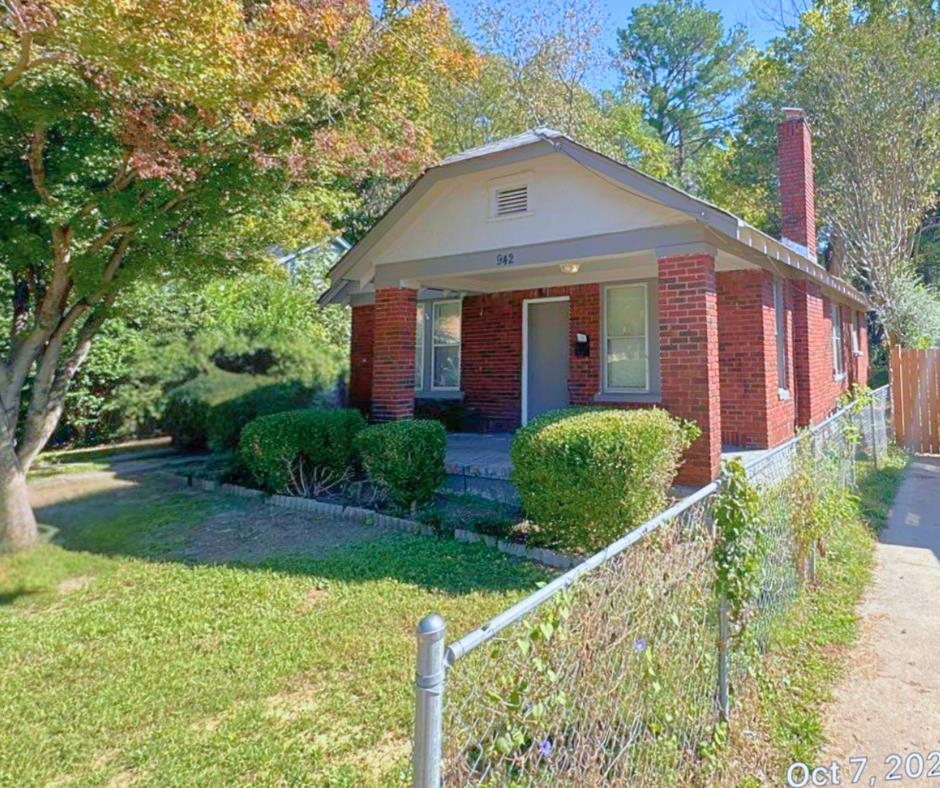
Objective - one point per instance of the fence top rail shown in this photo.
(784, 448)
(494, 626)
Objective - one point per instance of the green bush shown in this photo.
(211, 410)
(186, 416)
(226, 419)
(314, 448)
(586, 476)
(406, 458)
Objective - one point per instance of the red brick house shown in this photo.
(534, 273)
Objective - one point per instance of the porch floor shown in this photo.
(479, 454)
(486, 455)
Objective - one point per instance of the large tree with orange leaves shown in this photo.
(164, 138)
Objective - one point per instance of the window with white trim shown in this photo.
(856, 329)
(781, 333)
(445, 345)
(420, 330)
(626, 338)
(838, 364)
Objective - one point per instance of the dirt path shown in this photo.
(889, 700)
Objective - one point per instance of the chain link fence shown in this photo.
(617, 672)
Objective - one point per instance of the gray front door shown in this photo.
(546, 357)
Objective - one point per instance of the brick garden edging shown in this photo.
(364, 516)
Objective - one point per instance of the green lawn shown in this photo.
(120, 662)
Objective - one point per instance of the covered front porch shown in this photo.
(480, 464)
(638, 328)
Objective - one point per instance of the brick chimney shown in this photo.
(797, 190)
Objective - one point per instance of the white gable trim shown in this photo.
(728, 229)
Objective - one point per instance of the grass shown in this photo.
(119, 664)
(808, 650)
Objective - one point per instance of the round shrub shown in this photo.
(316, 445)
(186, 416)
(406, 458)
(226, 419)
(586, 476)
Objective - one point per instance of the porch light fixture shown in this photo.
(570, 268)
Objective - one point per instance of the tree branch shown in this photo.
(37, 168)
(22, 63)
(52, 382)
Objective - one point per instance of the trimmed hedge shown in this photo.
(209, 411)
(318, 438)
(186, 416)
(406, 458)
(586, 476)
(227, 419)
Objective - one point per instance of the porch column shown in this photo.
(688, 345)
(393, 364)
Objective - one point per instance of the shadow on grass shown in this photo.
(9, 597)
(145, 515)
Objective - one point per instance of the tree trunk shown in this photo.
(17, 521)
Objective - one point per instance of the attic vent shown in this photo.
(512, 201)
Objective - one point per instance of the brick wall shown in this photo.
(491, 356)
(393, 370)
(360, 357)
(817, 390)
(753, 414)
(688, 340)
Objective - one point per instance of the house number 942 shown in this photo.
(507, 258)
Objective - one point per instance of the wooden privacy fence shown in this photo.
(915, 386)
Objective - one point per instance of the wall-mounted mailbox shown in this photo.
(582, 345)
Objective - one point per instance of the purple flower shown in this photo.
(545, 748)
(639, 645)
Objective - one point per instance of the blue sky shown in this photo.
(748, 14)
(752, 15)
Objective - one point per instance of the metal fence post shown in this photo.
(724, 637)
(429, 702)
(874, 432)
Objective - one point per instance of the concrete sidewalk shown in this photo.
(889, 700)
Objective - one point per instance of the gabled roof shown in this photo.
(529, 137)
(541, 141)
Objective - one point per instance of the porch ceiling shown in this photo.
(613, 268)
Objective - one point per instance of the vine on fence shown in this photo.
(855, 402)
(740, 543)
(532, 698)
(821, 501)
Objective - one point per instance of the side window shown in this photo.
(835, 315)
(781, 331)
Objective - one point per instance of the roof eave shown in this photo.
(779, 251)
